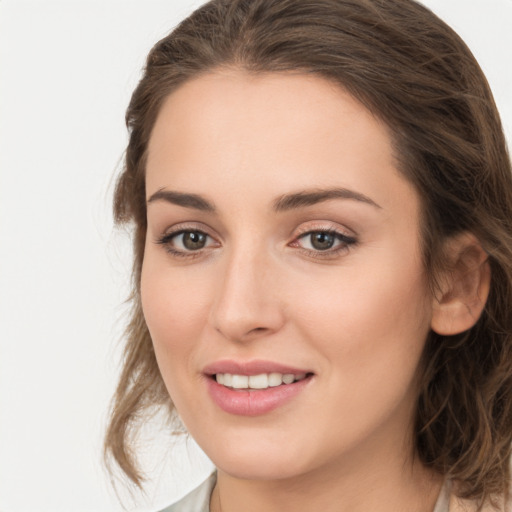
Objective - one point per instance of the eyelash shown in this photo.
(166, 241)
(345, 243)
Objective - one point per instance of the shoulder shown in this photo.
(196, 501)
(448, 501)
(460, 505)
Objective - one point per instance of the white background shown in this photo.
(67, 69)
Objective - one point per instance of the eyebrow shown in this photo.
(283, 203)
(312, 197)
(182, 199)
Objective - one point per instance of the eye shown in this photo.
(186, 241)
(190, 240)
(324, 241)
(320, 240)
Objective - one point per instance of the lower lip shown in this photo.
(254, 402)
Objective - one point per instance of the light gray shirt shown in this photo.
(196, 501)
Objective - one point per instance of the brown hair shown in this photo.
(413, 72)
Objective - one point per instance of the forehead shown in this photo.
(233, 129)
(256, 106)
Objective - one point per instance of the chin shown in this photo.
(259, 467)
(259, 458)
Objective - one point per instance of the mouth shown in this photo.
(259, 381)
(255, 388)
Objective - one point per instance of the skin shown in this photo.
(357, 318)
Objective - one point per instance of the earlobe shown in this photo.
(464, 286)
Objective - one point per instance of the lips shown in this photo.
(254, 388)
(251, 368)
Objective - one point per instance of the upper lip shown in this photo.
(254, 367)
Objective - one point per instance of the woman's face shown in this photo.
(283, 245)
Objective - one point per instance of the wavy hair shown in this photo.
(415, 73)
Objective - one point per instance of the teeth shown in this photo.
(275, 379)
(288, 378)
(261, 381)
(258, 381)
(240, 382)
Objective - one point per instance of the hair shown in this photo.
(414, 73)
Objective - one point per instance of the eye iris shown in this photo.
(322, 241)
(193, 240)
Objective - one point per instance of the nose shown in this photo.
(248, 302)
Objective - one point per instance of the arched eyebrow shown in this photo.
(311, 197)
(283, 203)
(194, 201)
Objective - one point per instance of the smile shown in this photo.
(253, 388)
(260, 381)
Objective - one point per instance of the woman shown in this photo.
(322, 203)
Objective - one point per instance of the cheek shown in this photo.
(175, 307)
(372, 321)
(369, 328)
(174, 301)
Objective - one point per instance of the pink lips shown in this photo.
(253, 402)
(250, 368)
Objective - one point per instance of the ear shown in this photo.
(464, 286)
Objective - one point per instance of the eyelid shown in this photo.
(188, 226)
(327, 226)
